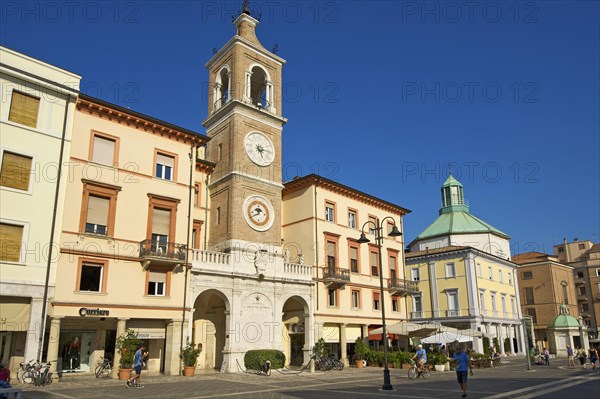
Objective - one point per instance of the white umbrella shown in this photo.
(408, 328)
(446, 337)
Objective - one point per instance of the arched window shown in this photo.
(259, 89)
(222, 84)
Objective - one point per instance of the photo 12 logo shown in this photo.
(470, 12)
(52, 12)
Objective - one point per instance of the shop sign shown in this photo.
(150, 333)
(83, 312)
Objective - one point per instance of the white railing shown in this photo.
(210, 257)
(416, 315)
(451, 313)
(296, 268)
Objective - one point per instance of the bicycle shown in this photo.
(104, 369)
(414, 372)
(26, 371)
(265, 369)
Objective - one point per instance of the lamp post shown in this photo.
(387, 384)
(527, 343)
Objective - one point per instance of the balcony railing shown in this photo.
(416, 315)
(336, 276)
(452, 313)
(403, 287)
(167, 251)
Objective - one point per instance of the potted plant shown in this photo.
(360, 351)
(189, 355)
(439, 361)
(126, 345)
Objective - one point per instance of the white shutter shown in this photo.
(161, 221)
(97, 210)
(104, 150)
(165, 160)
(157, 277)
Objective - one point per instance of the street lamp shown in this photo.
(387, 384)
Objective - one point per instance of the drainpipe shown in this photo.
(54, 212)
(205, 201)
(316, 248)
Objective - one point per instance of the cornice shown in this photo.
(122, 116)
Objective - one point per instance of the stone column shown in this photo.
(309, 338)
(501, 339)
(172, 347)
(54, 335)
(477, 342)
(510, 338)
(33, 332)
(365, 334)
(521, 336)
(344, 354)
(121, 327)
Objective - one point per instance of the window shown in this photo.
(372, 224)
(529, 296)
(197, 195)
(352, 219)
(11, 237)
(330, 212)
(565, 294)
(393, 263)
(104, 149)
(15, 171)
(395, 305)
(219, 215)
(531, 312)
(503, 303)
(449, 267)
(579, 274)
(92, 276)
(598, 272)
(196, 233)
(331, 249)
(527, 275)
(512, 306)
(479, 273)
(453, 309)
(509, 278)
(490, 273)
(220, 151)
(493, 299)
(374, 264)
(355, 299)
(24, 109)
(157, 282)
(561, 250)
(581, 246)
(599, 290)
(414, 274)
(354, 259)
(165, 166)
(582, 290)
(331, 297)
(98, 208)
(585, 307)
(501, 276)
(97, 215)
(482, 299)
(376, 303)
(161, 228)
(417, 306)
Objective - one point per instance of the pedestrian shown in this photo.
(462, 367)
(582, 355)
(138, 364)
(4, 378)
(570, 356)
(593, 357)
(546, 357)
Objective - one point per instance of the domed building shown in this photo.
(566, 330)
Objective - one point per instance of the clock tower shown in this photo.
(245, 126)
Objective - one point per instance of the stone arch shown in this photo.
(296, 330)
(210, 323)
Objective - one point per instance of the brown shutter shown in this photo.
(15, 171)
(24, 109)
(10, 242)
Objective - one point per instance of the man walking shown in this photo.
(462, 367)
(571, 356)
(138, 363)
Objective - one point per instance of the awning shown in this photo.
(376, 334)
(14, 313)
(331, 334)
(446, 337)
(410, 329)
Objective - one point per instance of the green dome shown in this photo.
(564, 321)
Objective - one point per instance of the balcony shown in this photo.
(398, 286)
(335, 277)
(452, 313)
(416, 315)
(157, 253)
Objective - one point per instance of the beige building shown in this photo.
(545, 285)
(124, 237)
(465, 277)
(322, 222)
(38, 103)
(584, 256)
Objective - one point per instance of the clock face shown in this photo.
(259, 148)
(258, 212)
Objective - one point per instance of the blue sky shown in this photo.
(380, 95)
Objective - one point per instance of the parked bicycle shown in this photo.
(25, 372)
(41, 374)
(414, 372)
(327, 363)
(104, 369)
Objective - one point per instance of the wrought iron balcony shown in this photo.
(399, 286)
(161, 253)
(334, 276)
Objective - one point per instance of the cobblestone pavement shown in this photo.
(509, 381)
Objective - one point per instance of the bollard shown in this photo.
(312, 365)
